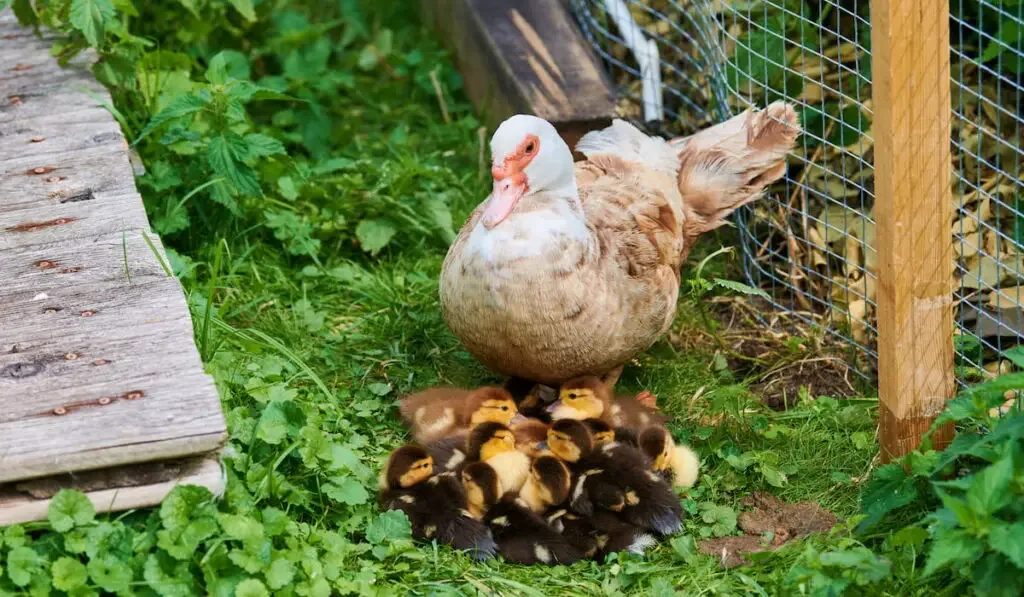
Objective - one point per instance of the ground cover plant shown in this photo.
(307, 163)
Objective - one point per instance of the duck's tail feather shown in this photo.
(727, 165)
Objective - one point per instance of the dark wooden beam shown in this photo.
(525, 56)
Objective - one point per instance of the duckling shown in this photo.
(482, 487)
(439, 412)
(495, 444)
(548, 484)
(449, 453)
(601, 533)
(531, 398)
(612, 480)
(530, 433)
(588, 397)
(677, 464)
(604, 433)
(435, 504)
(522, 536)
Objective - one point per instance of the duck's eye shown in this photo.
(504, 408)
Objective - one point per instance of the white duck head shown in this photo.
(528, 157)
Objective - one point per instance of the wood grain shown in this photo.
(525, 56)
(98, 362)
(911, 98)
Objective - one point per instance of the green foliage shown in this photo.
(973, 520)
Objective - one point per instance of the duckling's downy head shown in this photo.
(581, 398)
(552, 478)
(408, 466)
(602, 432)
(481, 483)
(570, 440)
(492, 404)
(489, 439)
(656, 443)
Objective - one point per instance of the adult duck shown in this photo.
(572, 269)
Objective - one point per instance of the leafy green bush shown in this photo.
(966, 502)
(230, 104)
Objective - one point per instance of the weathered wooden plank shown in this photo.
(50, 135)
(99, 260)
(910, 42)
(525, 56)
(81, 318)
(98, 363)
(164, 417)
(88, 215)
(137, 487)
(43, 371)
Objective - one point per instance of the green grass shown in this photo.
(315, 308)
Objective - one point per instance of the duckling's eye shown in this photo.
(573, 395)
(504, 408)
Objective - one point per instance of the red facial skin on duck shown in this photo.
(510, 182)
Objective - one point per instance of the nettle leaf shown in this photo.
(1008, 539)
(217, 71)
(262, 146)
(179, 107)
(740, 288)
(952, 548)
(990, 488)
(91, 17)
(889, 489)
(22, 564)
(241, 528)
(349, 491)
(1015, 355)
(226, 154)
(374, 235)
(69, 509)
(68, 574)
(244, 8)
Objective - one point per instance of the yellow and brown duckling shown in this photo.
(590, 398)
(437, 413)
(676, 463)
(495, 444)
(605, 434)
(612, 480)
(548, 484)
(522, 536)
(436, 505)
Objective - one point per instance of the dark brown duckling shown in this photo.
(522, 536)
(605, 479)
(601, 533)
(436, 505)
(676, 463)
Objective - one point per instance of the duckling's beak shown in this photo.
(542, 446)
(553, 406)
(519, 418)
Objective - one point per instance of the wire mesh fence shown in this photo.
(684, 64)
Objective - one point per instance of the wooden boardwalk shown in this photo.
(98, 364)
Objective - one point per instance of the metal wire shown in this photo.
(810, 242)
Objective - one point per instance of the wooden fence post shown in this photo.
(913, 209)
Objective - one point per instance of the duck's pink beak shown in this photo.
(509, 188)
